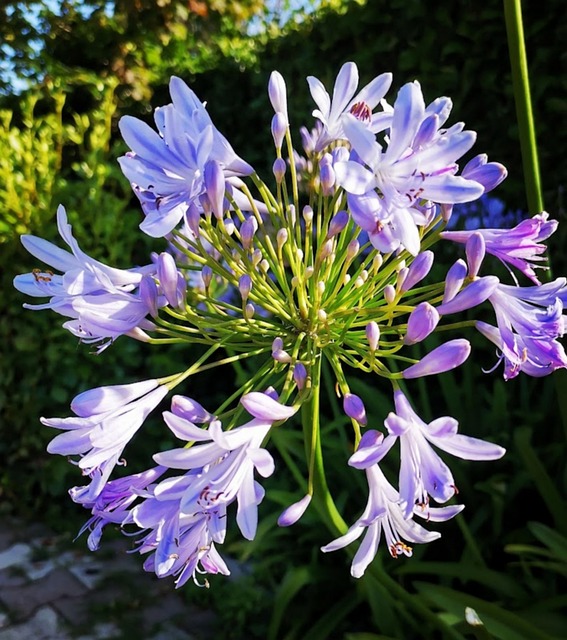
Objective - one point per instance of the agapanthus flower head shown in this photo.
(324, 269)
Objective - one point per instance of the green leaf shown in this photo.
(293, 582)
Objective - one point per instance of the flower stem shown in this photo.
(520, 80)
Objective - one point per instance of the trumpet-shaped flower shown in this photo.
(383, 514)
(227, 459)
(418, 164)
(529, 321)
(167, 168)
(422, 472)
(520, 247)
(102, 301)
(330, 111)
(106, 419)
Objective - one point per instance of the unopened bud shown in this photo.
(309, 272)
(475, 250)
(168, 277)
(256, 257)
(229, 226)
(326, 250)
(294, 512)
(279, 127)
(389, 293)
(327, 179)
(373, 335)
(299, 375)
(421, 322)
(247, 231)
(193, 218)
(454, 280)
(214, 184)
(207, 275)
(279, 168)
(377, 262)
(401, 277)
(249, 310)
(352, 250)
(281, 238)
(321, 287)
(322, 315)
(265, 265)
(278, 352)
(417, 270)
(245, 286)
(338, 222)
(277, 93)
(354, 408)
(149, 294)
(308, 215)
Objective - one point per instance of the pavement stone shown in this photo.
(43, 625)
(22, 601)
(52, 589)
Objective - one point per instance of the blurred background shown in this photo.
(69, 70)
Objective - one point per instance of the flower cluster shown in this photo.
(327, 262)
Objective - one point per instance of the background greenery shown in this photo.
(85, 64)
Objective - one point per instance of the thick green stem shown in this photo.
(520, 80)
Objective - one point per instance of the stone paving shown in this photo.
(52, 588)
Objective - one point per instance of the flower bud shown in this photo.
(277, 93)
(278, 352)
(229, 227)
(472, 295)
(418, 270)
(149, 295)
(307, 215)
(454, 280)
(421, 322)
(245, 286)
(168, 277)
(299, 375)
(247, 231)
(193, 218)
(281, 238)
(448, 356)
(338, 222)
(189, 409)
(326, 250)
(292, 514)
(327, 179)
(279, 168)
(256, 257)
(475, 250)
(249, 311)
(373, 335)
(389, 293)
(401, 278)
(214, 184)
(354, 408)
(352, 249)
(207, 275)
(279, 127)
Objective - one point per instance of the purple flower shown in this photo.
(227, 460)
(383, 514)
(113, 502)
(106, 420)
(521, 246)
(102, 301)
(167, 168)
(529, 321)
(179, 544)
(422, 472)
(388, 186)
(361, 105)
